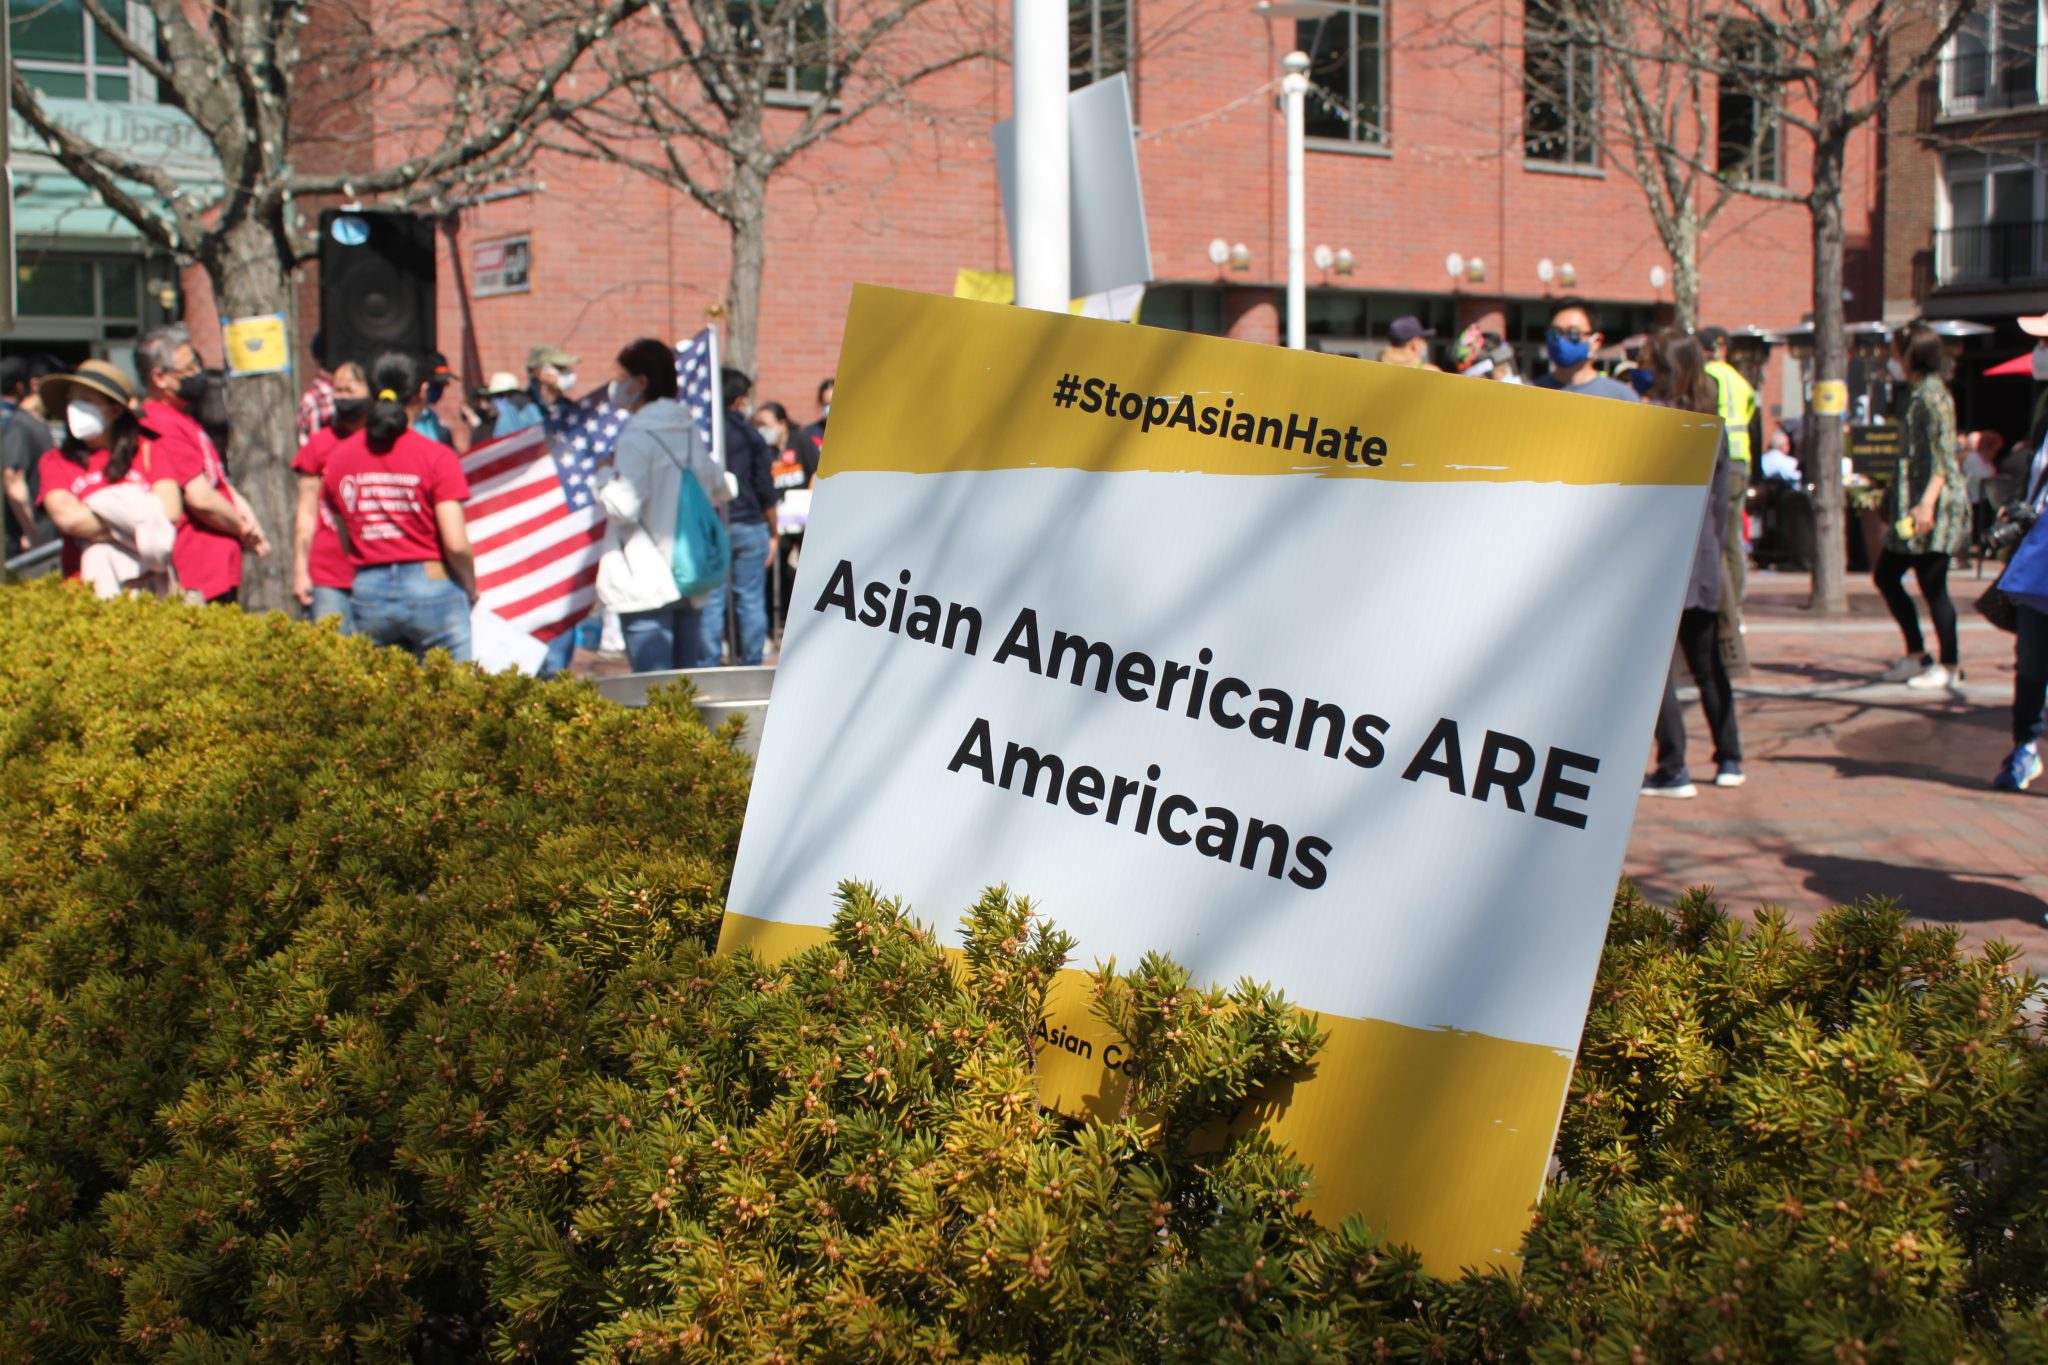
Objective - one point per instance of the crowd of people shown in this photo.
(132, 480)
(132, 477)
(1937, 499)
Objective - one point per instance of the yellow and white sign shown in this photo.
(1324, 673)
(1831, 397)
(256, 345)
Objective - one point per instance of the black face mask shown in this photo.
(192, 388)
(351, 412)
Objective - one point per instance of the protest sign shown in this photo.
(1323, 673)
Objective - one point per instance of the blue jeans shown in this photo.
(333, 602)
(749, 595)
(2030, 674)
(397, 604)
(663, 639)
(561, 650)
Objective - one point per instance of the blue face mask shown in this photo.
(1566, 353)
(1640, 379)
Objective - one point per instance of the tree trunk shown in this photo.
(748, 197)
(1822, 448)
(250, 279)
(1684, 245)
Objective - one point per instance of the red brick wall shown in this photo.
(907, 203)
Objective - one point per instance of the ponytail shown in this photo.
(124, 439)
(394, 383)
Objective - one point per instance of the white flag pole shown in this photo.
(717, 400)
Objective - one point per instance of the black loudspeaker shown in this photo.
(376, 284)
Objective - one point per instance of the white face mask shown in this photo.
(771, 436)
(84, 420)
(1897, 367)
(565, 380)
(2040, 361)
(623, 394)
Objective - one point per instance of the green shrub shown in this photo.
(356, 1010)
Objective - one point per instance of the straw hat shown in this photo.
(504, 383)
(97, 375)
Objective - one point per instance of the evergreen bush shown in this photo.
(353, 1009)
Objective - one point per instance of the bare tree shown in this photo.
(715, 98)
(459, 87)
(1835, 65)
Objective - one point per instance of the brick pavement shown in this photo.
(1858, 789)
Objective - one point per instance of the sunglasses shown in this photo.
(1567, 333)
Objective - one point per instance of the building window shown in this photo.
(1989, 219)
(1994, 61)
(1746, 148)
(1184, 308)
(1560, 91)
(1347, 78)
(105, 291)
(64, 54)
(797, 51)
(1098, 40)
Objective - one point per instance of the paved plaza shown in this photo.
(1858, 788)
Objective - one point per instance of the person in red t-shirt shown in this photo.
(214, 522)
(101, 438)
(321, 573)
(397, 500)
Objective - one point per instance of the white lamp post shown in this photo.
(1294, 89)
(1038, 85)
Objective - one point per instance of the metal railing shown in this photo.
(34, 563)
(2003, 78)
(1993, 253)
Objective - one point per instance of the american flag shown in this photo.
(534, 518)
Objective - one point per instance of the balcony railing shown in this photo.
(1992, 254)
(2003, 78)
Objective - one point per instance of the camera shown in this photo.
(2015, 519)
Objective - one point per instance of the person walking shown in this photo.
(321, 572)
(796, 466)
(1571, 344)
(215, 523)
(116, 527)
(1679, 380)
(396, 498)
(1930, 514)
(658, 448)
(1735, 400)
(23, 438)
(2029, 656)
(752, 522)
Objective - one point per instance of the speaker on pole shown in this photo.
(376, 284)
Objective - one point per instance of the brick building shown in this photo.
(1966, 199)
(1423, 151)
(1420, 148)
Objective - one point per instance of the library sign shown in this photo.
(1328, 674)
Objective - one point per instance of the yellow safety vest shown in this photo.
(1738, 407)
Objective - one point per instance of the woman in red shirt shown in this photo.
(396, 498)
(321, 573)
(100, 439)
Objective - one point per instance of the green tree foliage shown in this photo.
(356, 1010)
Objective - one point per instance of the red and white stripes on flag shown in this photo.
(536, 554)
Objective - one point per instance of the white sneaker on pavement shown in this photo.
(1929, 678)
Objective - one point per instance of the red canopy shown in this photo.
(2019, 364)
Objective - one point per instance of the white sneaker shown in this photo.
(1909, 667)
(1929, 678)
